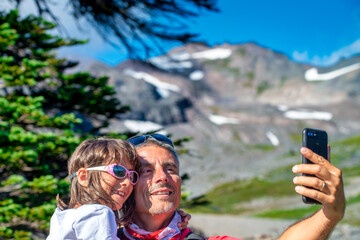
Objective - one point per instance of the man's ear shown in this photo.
(82, 177)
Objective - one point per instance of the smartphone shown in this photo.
(317, 141)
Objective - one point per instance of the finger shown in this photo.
(313, 169)
(184, 216)
(317, 159)
(312, 193)
(312, 182)
(181, 212)
(313, 157)
(182, 225)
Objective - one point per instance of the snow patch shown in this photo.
(212, 54)
(196, 75)
(143, 126)
(313, 75)
(273, 138)
(181, 60)
(165, 63)
(219, 120)
(162, 88)
(301, 115)
(283, 108)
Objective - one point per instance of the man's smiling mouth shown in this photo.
(162, 192)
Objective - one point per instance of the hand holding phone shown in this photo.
(326, 179)
(317, 141)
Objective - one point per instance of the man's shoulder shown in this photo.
(223, 238)
(190, 235)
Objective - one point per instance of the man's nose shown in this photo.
(160, 175)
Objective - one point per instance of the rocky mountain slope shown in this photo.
(244, 106)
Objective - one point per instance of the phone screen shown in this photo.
(317, 141)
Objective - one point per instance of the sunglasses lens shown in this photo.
(137, 140)
(163, 139)
(133, 177)
(141, 139)
(119, 171)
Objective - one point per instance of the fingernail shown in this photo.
(295, 168)
(295, 180)
(297, 189)
(304, 150)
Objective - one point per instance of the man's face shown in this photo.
(159, 188)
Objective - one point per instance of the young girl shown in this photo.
(102, 178)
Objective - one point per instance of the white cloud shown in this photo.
(301, 56)
(344, 52)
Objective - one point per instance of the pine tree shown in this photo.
(41, 108)
(142, 27)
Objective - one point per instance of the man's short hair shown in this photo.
(152, 141)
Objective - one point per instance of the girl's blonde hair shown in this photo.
(98, 152)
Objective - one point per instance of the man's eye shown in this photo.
(171, 170)
(146, 170)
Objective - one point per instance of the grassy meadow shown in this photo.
(273, 195)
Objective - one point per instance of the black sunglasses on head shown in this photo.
(141, 139)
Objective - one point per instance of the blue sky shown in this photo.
(318, 32)
(311, 31)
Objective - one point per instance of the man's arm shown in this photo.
(331, 196)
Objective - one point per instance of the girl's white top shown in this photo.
(91, 221)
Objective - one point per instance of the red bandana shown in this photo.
(172, 231)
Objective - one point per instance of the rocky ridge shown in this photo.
(235, 101)
(245, 107)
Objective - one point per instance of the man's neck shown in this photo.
(153, 223)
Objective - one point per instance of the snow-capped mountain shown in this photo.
(244, 105)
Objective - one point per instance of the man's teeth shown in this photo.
(162, 193)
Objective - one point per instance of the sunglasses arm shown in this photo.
(100, 168)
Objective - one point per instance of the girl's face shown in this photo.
(118, 189)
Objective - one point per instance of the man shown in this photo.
(158, 193)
